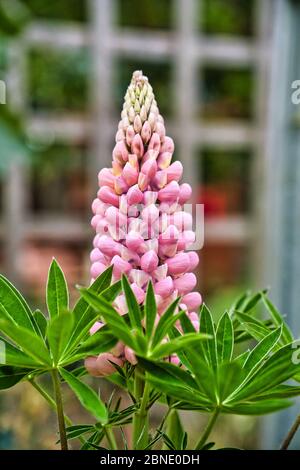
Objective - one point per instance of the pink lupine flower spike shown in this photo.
(141, 226)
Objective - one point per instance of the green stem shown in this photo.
(140, 419)
(208, 429)
(59, 410)
(111, 438)
(163, 422)
(290, 435)
(52, 404)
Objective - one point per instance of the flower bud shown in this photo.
(108, 246)
(149, 261)
(149, 168)
(179, 264)
(154, 143)
(185, 283)
(120, 152)
(184, 193)
(108, 196)
(194, 260)
(160, 179)
(120, 266)
(134, 195)
(121, 186)
(101, 366)
(97, 268)
(192, 300)
(137, 146)
(146, 132)
(174, 172)
(130, 174)
(164, 160)
(106, 178)
(164, 287)
(129, 135)
(130, 355)
(168, 145)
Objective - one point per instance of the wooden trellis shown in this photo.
(187, 49)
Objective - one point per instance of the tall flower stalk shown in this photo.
(141, 226)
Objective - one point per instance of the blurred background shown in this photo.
(222, 72)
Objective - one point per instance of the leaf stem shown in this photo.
(52, 404)
(290, 435)
(59, 410)
(163, 422)
(140, 419)
(111, 438)
(208, 429)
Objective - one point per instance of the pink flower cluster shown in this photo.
(141, 226)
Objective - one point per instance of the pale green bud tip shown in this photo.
(139, 102)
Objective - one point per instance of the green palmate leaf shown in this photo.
(169, 372)
(181, 393)
(175, 431)
(87, 397)
(277, 369)
(205, 376)
(254, 327)
(14, 357)
(208, 446)
(174, 333)
(281, 391)
(41, 322)
(57, 291)
(99, 285)
(179, 385)
(78, 430)
(96, 344)
(134, 311)
(261, 351)
(240, 359)
(14, 305)
(277, 318)
(58, 334)
(150, 310)
(225, 339)
(178, 344)
(186, 324)
(85, 315)
(112, 318)
(10, 376)
(28, 341)
(230, 376)
(111, 292)
(167, 441)
(240, 302)
(257, 407)
(252, 302)
(209, 346)
(165, 323)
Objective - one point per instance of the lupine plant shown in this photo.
(139, 325)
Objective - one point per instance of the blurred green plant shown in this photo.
(58, 79)
(14, 16)
(149, 14)
(62, 10)
(229, 17)
(227, 93)
(212, 378)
